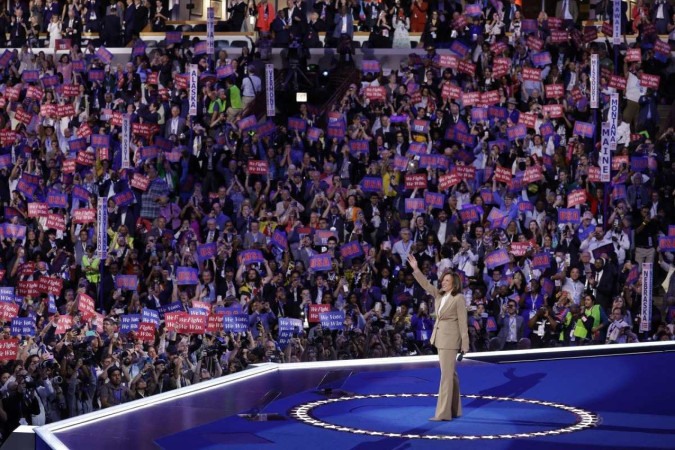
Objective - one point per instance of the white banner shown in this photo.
(595, 80)
(126, 142)
(194, 87)
(613, 119)
(646, 307)
(605, 157)
(616, 23)
(269, 94)
(210, 33)
(102, 223)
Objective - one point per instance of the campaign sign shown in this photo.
(559, 36)
(459, 48)
(531, 74)
(198, 312)
(479, 114)
(247, 257)
(516, 132)
(554, 90)
(671, 230)
(359, 147)
(84, 215)
(415, 181)
(150, 316)
(451, 91)
(126, 282)
(56, 222)
(498, 219)
(287, 328)
(174, 307)
(466, 172)
(100, 141)
(249, 122)
(6, 295)
(434, 200)
(279, 239)
(650, 81)
(420, 126)
(448, 61)
(618, 192)
(206, 251)
(569, 215)
(541, 261)
(22, 116)
(554, 112)
(191, 324)
(214, 324)
(85, 158)
(590, 34)
(124, 198)
(332, 320)
(576, 197)
(140, 182)
(351, 250)
(171, 319)
(258, 167)
(375, 93)
(314, 134)
(9, 349)
(470, 213)
(22, 326)
(633, 55)
(527, 119)
(8, 311)
(321, 262)
(584, 129)
(79, 66)
(594, 174)
(639, 163)
(129, 322)
(86, 306)
(541, 59)
(497, 258)
(371, 184)
(30, 76)
(466, 67)
(315, 312)
(186, 276)
(297, 124)
(667, 243)
(146, 332)
(470, 98)
(37, 209)
(498, 48)
(50, 285)
(498, 112)
(519, 248)
(535, 43)
(35, 93)
(448, 180)
(372, 66)
(502, 174)
(414, 205)
(11, 231)
(236, 322)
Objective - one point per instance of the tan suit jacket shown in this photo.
(450, 329)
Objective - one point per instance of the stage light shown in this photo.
(301, 97)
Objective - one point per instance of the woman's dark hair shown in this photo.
(456, 284)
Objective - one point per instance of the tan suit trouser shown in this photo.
(449, 404)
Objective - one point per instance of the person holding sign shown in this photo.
(450, 336)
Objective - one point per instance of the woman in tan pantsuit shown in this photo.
(450, 335)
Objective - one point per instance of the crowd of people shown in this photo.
(232, 241)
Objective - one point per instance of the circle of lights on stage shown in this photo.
(584, 419)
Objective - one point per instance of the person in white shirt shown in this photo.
(633, 93)
(403, 247)
(251, 85)
(618, 331)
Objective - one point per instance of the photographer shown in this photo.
(51, 393)
(544, 328)
(20, 404)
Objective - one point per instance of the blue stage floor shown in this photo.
(601, 401)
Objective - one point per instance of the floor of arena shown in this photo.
(598, 397)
